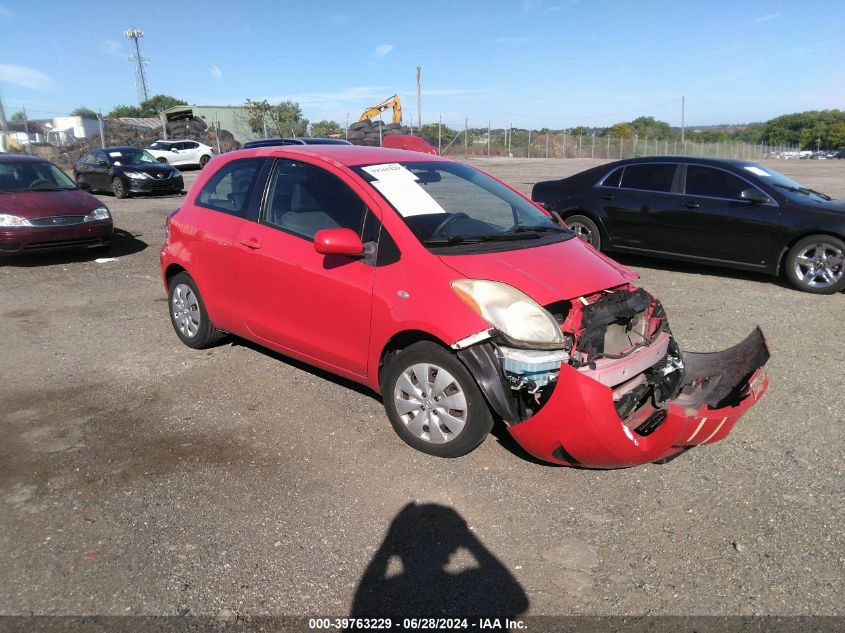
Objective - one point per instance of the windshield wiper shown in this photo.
(52, 189)
(541, 228)
(805, 190)
(454, 239)
(505, 236)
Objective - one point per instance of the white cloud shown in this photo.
(113, 48)
(765, 18)
(382, 50)
(511, 40)
(26, 77)
(216, 73)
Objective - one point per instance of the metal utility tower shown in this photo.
(140, 76)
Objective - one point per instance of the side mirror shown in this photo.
(83, 185)
(754, 196)
(338, 242)
(174, 150)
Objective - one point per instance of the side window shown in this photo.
(303, 199)
(706, 181)
(91, 158)
(612, 180)
(649, 177)
(190, 145)
(229, 189)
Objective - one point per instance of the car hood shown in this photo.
(829, 206)
(40, 204)
(564, 270)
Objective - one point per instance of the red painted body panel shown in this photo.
(581, 418)
(39, 204)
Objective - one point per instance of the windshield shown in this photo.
(30, 176)
(131, 157)
(446, 204)
(788, 187)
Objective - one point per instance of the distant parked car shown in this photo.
(840, 154)
(126, 170)
(297, 140)
(723, 212)
(41, 209)
(183, 153)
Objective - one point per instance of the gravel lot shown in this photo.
(138, 476)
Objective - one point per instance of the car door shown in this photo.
(191, 153)
(317, 306)
(632, 198)
(228, 200)
(99, 173)
(711, 220)
(176, 156)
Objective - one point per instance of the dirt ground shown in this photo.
(138, 476)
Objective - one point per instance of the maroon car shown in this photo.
(42, 209)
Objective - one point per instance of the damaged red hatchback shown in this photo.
(454, 297)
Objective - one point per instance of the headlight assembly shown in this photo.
(137, 175)
(100, 213)
(509, 310)
(7, 220)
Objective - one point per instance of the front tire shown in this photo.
(204, 161)
(816, 264)
(433, 402)
(118, 188)
(188, 314)
(585, 229)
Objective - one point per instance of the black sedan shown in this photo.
(722, 212)
(124, 171)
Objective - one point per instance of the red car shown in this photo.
(41, 209)
(453, 296)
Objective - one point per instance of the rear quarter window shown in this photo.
(230, 189)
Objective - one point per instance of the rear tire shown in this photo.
(816, 264)
(162, 159)
(433, 403)
(188, 314)
(585, 229)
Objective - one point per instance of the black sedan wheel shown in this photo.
(119, 188)
(586, 229)
(817, 264)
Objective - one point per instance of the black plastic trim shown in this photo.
(484, 366)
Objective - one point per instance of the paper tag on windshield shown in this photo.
(390, 172)
(114, 154)
(400, 187)
(758, 171)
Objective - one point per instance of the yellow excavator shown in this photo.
(392, 102)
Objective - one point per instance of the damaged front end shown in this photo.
(618, 391)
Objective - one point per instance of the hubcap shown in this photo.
(185, 310)
(820, 265)
(430, 403)
(582, 231)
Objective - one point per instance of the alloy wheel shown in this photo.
(820, 265)
(186, 311)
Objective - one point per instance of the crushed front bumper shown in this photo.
(578, 425)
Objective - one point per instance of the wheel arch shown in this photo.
(579, 210)
(398, 342)
(797, 238)
(171, 271)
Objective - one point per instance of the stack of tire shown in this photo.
(370, 133)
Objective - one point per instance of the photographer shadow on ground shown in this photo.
(430, 565)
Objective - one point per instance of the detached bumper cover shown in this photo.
(579, 424)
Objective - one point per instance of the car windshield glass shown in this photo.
(788, 187)
(158, 145)
(446, 203)
(131, 157)
(31, 176)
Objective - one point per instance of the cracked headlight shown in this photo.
(509, 310)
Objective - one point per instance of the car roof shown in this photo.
(295, 140)
(682, 159)
(21, 158)
(116, 148)
(350, 155)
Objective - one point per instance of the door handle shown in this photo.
(689, 204)
(606, 196)
(251, 243)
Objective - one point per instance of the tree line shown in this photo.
(814, 129)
